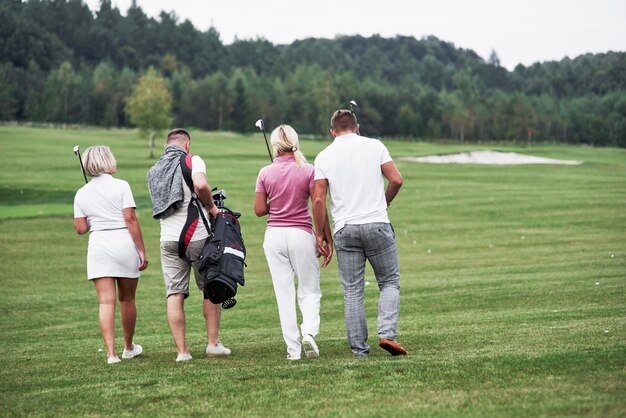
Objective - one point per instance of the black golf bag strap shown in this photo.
(185, 166)
(194, 211)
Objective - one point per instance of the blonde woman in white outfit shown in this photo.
(106, 208)
(283, 190)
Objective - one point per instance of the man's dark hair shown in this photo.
(177, 134)
(343, 120)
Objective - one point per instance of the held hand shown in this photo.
(324, 248)
(321, 250)
(328, 253)
(143, 261)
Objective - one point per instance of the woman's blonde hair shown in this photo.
(99, 160)
(284, 138)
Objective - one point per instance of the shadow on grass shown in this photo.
(25, 196)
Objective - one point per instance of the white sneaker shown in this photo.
(292, 358)
(137, 349)
(218, 351)
(113, 360)
(310, 348)
(183, 357)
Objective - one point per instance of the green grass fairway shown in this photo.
(513, 299)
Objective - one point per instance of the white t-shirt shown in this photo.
(172, 226)
(352, 166)
(102, 200)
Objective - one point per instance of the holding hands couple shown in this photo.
(352, 171)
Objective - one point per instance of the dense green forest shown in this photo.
(62, 62)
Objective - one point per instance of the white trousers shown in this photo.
(291, 252)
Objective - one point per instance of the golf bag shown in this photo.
(221, 260)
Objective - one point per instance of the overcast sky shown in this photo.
(520, 31)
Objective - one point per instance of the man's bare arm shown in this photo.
(319, 213)
(203, 190)
(394, 179)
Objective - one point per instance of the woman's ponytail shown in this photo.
(284, 138)
(300, 158)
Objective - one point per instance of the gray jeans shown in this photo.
(374, 242)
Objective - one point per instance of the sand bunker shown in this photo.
(487, 157)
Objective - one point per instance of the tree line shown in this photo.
(62, 62)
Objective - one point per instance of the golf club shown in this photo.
(77, 152)
(352, 104)
(259, 124)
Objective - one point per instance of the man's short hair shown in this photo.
(178, 135)
(343, 120)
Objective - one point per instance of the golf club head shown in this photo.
(221, 194)
(219, 197)
(352, 105)
(259, 124)
(80, 160)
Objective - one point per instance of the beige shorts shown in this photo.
(176, 271)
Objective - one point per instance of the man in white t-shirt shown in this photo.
(170, 198)
(352, 170)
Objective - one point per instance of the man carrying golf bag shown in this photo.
(171, 199)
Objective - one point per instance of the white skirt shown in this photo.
(112, 254)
